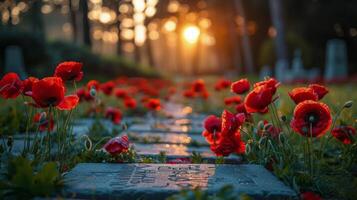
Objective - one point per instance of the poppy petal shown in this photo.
(69, 102)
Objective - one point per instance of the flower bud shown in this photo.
(93, 92)
(348, 104)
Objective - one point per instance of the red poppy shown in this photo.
(107, 87)
(198, 85)
(204, 94)
(50, 91)
(231, 122)
(320, 90)
(10, 86)
(240, 108)
(227, 145)
(259, 99)
(153, 104)
(117, 145)
(93, 84)
(40, 118)
(344, 134)
(241, 86)
(222, 84)
(69, 71)
(232, 100)
(130, 102)
(311, 115)
(269, 83)
(113, 114)
(121, 93)
(310, 196)
(189, 94)
(212, 124)
(28, 85)
(301, 94)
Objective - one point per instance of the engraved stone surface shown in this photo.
(158, 181)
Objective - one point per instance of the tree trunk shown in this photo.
(72, 16)
(247, 50)
(37, 19)
(278, 23)
(86, 24)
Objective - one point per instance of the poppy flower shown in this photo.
(301, 94)
(269, 83)
(240, 87)
(69, 71)
(50, 91)
(320, 90)
(121, 93)
(10, 86)
(27, 91)
(113, 114)
(189, 94)
(117, 145)
(232, 100)
(153, 104)
(310, 196)
(240, 108)
(93, 84)
(198, 85)
(107, 87)
(212, 124)
(311, 115)
(204, 94)
(344, 134)
(130, 102)
(40, 119)
(259, 99)
(231, 122)
(227, 145)
(222, 84)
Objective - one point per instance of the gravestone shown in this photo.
(158, 181)
(281, 69)
(336, 60)
(14, 61)
(297, 71)
(265, 72)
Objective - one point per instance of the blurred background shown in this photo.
(295, 41)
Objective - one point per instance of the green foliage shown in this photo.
(24, 180)
(196, 158)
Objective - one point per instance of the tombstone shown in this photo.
(265, 72)
(336, 60)
(14, 61)
(297, 71)
(158, 181)
(281, 69)
(313, 74)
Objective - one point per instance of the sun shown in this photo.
(191, 34)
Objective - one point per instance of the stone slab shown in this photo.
(158, 181)
(169, 138)
(166, 128)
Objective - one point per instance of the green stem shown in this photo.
(48, 133)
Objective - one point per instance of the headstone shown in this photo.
(281, 69)
(313, 74)
(336, 60)
(158, 181)
(14, 61)
(265, 72)
(297, 71)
